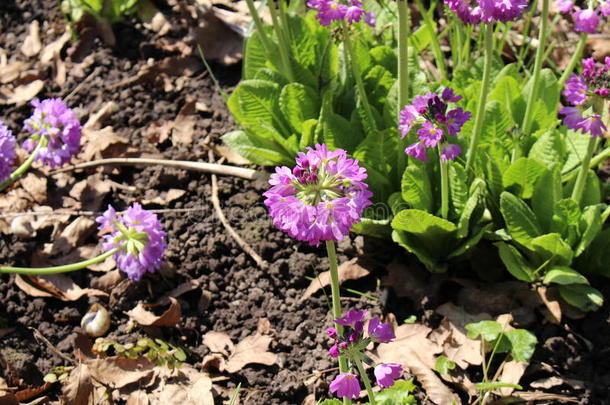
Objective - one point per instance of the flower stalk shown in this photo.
(403, 74)
(258, 22)
(575, 58)
(41, 271)
(18, 172)
(533, 96)
(581, 179)
(436, 46)
(480, 114)
(365, 379)
(335, 294)
(444, 184)
(284, 44)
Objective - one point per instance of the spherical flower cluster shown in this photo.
(590, 88)
(8, 153)
(58, 126)
(320, 198)
(329, 11)
(139, 236)
(585, 20)
(429, 114)
(351, 343)
(487, 11)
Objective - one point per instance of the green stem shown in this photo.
(259, 26)
(24, 166)
(533, 96)
(444, 185)
(581, 180)
(41, 271)
(436, 46)
(358, 77)
(574, 60)
(336, 294)
(365, 379)
(283, 45)
(403, 54)
(478, 124)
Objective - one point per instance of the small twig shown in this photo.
(92, 213)
(316, 373)
(248, 174)
(82, 83)
(39, 336)
(221, 216)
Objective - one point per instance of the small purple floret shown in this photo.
(386, 374)
(586, 21)
(351, 318)
(345, 385)
(381, 332)
(487, 11)
(8, 152)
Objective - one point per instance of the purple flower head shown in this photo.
(329, 11)
(58, 125)
(381, 332)
(334, 351)
(604, 8)
(345, 385)
(449, 96)
(321, 198)
(354, 14)
(8, 154)
(564, 6)
(572, 117)
(576, 90)
(387, 373)
(139, 236)
(593, 124)
(370, 18)
(487, 11)
(456, 119)
(351, 318)
(332, 333)
(429, 134)
(586, 21)
(450, 152)
(418, 151)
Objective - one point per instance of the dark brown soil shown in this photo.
(234, 293)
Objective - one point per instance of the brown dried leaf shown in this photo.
(138, 397)
(350, 270)
(54, 285)
(6, 398)
(231, 156)
(97, 119)
(459, 317)
(102, 143)
(152, 18)
(91, 192)
(196, 391)
(550, 298)
(36, 185)
(21, 94)
(32, 45)
(217, 40)
(159, 131)
(117, 372)
(108, 281)
(165, 197)
(73, 235)
(29, 393)
(183, 288)
(253, 349)
(146, 318)
(12, 71)
(52, 50)
(456, 346)
(78, 388)
(184, 125)
(219, 342)
(511, 373)
(413, 337)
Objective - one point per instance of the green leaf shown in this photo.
(255, 57)
(458, 189)
(330, 402)
(590, 225)
(546, 194)
(566, 219)
(576, 145)
(416, 189)
(378, 228)
(308, 133)
(256, 149)
(473, 209)
(581, 296)
(596, 256)
(507, 91)
(397, 394)
(520, 220)
(521, 176)
(553, 248)
(549, 149)
(488, 330)
(564, 275)
(490, 386)
(469, 242)
(444, 365)
(298, 104)
(592, 193)
(515, 262)
(385, 56)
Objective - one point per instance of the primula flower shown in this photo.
(351, 318)
(345, 385)
(329, 11)
(334, 351)
(387, 373)
(565, 6)
(140, 237)
(381, 332)
(487, 11)
(53, 120)
(429, 114)
(591, 88)
(604, 8)
(586, 20)
(319, 199)
(8, 153)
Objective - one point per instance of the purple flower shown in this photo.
(345, 385)
(418, 151)
(8, 153)
(487, 11)
(586, 21)
(592, 124)
(321, 198)
(449, 96)
(576, 90)
(53, 121)
(572, 117)
(370, 18)
(565, 6)
(334, 351)
(604, 8)
(387, 373)
(351, 318)
(329, 11)
(429, 134)
(450, 152)
(332, 333)
(139, 236)
(456, 119)
(381, 332)
(409, 117)
(353, 14)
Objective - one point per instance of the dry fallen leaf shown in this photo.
(102, 143)
(138, 397)
(31, 44)
(208, 35)
(146, 318)
(252, 349)
(232, 157)
(73, 235)
(165, 197)
(21, 94)
(550, 298)
(413, 336)
(78, 388)
(184, 125)
(11, 71)
(218, 342)
(183, 288)
(456, 346)
(117, 372)
(50, 51)
(511, 373)
(349, 270)
(36, 185)
(54, 285)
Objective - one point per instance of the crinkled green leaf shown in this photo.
(515, 262)
(444, 365)
(298, 103)
(488, 330)
(521, 177)
(553, 248)
(397, 394)
(416, 189)
(547, 192)
(520, 220)
(581, 296)
(564, 275)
